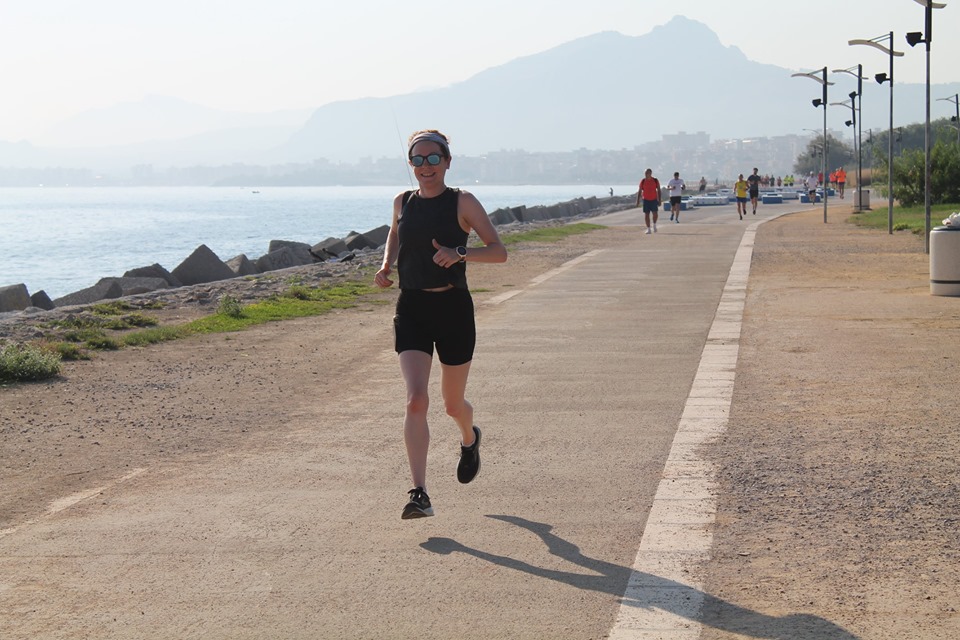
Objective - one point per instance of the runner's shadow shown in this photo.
(612, 578)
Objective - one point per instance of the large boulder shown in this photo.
(41, 300)
(242, 266)
(535, 214)
(329, 248)
(357, 241)
(554, 212)
(300, 250)
(502, 216)
(14, 298)
(100, 291)
(154, 271)
(133, 286)
(282, 258)
(378, 236)
(202, 266)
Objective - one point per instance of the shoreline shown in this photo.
(188, 302)
(175, 226)
(332, 249)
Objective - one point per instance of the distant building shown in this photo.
(684, 140)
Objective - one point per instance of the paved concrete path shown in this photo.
(592, 386)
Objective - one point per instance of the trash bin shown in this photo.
(945, 261)
(863, 199)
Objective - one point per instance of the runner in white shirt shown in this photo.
(812, 187)
(676, 187)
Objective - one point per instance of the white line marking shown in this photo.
(665, 593)
(503, 297)
(66, 502)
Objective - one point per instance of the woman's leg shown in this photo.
(453, 385)
(415, 367)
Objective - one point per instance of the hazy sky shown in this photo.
(61, 57)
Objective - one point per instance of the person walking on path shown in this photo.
(740, 191)
(754, 181)
(676, 187)
(812, 187)
(649, 193)
(703, 184)
(427, 240)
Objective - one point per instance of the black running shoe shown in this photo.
(469, 465)
(419, 505)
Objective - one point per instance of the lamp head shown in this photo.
(880, 78)
(848, 122)
(817, 102)
(914, 38)
(953, 118)
(853, 95)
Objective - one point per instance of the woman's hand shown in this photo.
(445, 257)
(382, 279)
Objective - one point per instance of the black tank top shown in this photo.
(421, 221)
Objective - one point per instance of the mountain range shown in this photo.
(604, 91)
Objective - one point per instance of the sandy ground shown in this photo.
(839, 468)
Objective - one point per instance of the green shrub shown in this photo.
(78, 322)
(129, 321)
(83, 335)
(115, 308)
(298, 291)
(103, 342)
(155, 335)
(24, 363)
(66, 350)
(230, 306)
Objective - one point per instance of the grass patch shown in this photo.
(66, 350)
(911, 219)
(154, 336)
(550, 234)
(84, 334)
(27, 363)
(130, 321)
(296, 302)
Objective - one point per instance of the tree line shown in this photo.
(908, 160)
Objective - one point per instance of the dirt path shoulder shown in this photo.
(839, 468)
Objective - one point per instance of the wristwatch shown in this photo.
(462, 252)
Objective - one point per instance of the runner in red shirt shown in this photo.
(649, 193)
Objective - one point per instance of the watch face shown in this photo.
(462, 251)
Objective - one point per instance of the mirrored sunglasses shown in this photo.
(433, 160)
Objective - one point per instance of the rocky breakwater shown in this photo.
(203, 275)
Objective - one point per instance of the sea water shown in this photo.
(63, 239)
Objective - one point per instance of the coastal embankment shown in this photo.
(203, 277)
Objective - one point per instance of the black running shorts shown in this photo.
(445, 319)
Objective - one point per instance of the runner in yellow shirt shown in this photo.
(740, 190)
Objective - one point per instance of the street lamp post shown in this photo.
(852, 103)
(817, 142)
(955, 99)
(821, 102)
(857, 135)
(914, 38)
(881, 78)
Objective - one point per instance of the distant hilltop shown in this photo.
(583, 94)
